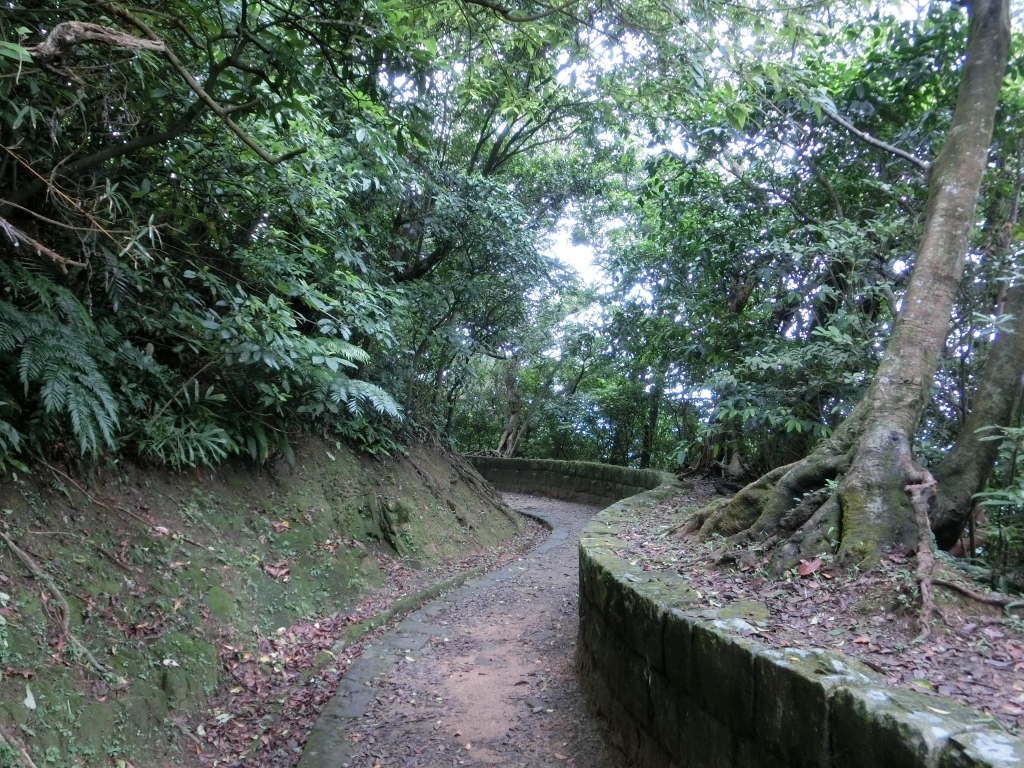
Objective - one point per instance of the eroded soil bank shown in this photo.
(183, 585)
(483, 677)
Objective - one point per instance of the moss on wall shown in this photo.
(682, 686)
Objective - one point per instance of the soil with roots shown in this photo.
(974, 655)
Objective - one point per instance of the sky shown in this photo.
(579, 257)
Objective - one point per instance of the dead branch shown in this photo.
(17, 236)
(70, 34)
(867, 138)
(15, 744)
(65, 610)
(921, 494)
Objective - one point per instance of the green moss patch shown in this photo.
(167, 569)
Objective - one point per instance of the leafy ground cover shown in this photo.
(974, 654)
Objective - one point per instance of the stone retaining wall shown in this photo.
(581, 481)
(689, 688)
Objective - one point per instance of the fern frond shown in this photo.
(66, 379)
(186, 442)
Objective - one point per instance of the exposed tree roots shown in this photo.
(792, 508)
(65, 610)
(1006, 601)
(921, 494)
(10, 741)
(120, 509)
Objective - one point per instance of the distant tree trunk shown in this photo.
(453, 400)
(622, 436)
(651, 427)
(508, 442)
(871, 450)
(965, 469)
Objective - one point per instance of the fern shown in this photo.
(186, 442)
(54, 367)
(10, 445)
(353, 393)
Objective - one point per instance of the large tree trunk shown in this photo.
(871, 451)
(964, 471)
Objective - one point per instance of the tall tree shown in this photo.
(871, 450)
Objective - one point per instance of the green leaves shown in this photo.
(14, 51)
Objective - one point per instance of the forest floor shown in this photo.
(263, 716)
(496, 684)
(974, 655)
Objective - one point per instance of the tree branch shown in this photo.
(27, 191)
(733, 168)
(70, 34)
(17, 236)
(515, 18)
(867, 138)
(210, 102)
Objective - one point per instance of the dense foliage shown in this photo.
(223, 224)
(274, 218)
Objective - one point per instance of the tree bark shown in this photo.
(874, 512)
(964, 471)
(508, 442)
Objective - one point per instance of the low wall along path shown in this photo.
(682, 686)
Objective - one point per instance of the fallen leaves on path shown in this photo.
(276, 686)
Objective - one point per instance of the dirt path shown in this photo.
(482, 677)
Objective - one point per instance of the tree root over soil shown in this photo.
(65, 610)
(11, 742)
(857, 495)
(794, 509)
(1006, 601)
(921, 495)
(117, 508)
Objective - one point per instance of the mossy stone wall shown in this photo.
(580, 481)
(684, 687)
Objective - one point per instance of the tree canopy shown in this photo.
(228, 223)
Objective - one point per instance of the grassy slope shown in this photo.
(152, 605)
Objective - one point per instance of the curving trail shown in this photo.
(482, 677)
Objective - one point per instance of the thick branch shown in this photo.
(867, 138)
(516, 18)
